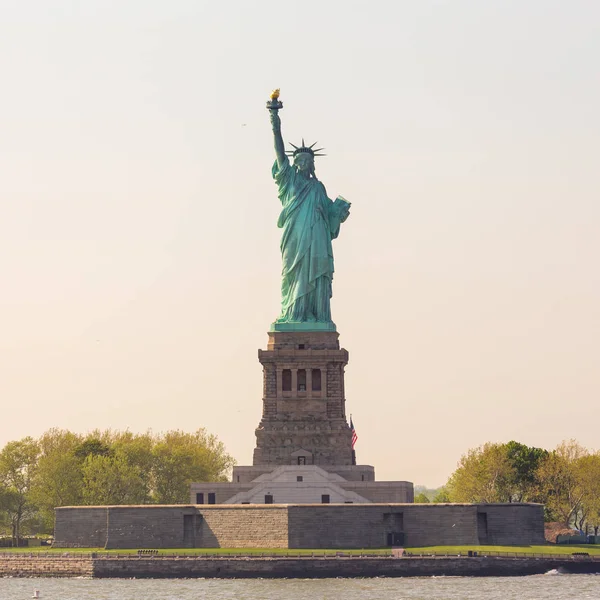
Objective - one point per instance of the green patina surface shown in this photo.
(309, 220)
(298, 326)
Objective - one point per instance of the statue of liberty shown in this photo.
(310, 220)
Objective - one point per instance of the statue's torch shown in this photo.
(275, 103)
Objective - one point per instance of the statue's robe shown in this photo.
(310, 220)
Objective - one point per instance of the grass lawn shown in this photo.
(428, 550)
(545, 549)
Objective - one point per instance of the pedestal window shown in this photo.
(316, 380)
(301, 380)
(286, 380)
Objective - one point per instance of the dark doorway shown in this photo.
(395, 538)
(482, 528)
(200, 498)
(189, 537)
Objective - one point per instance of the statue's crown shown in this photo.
(304, 148)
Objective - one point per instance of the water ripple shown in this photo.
(538, 587)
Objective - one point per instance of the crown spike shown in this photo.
(306, 149)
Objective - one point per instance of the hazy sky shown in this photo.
(139, 253)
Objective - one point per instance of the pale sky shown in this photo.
(139, 253)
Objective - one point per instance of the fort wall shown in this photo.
(297, 525)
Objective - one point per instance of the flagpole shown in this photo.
(353, 441)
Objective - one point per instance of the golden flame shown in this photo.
(275, 94)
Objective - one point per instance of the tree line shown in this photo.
(566, 480)
(63, 468)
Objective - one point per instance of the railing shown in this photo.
(500, 554)
(158, 555)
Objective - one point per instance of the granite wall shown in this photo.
(297, 526)
(185, 567)
(38, 565)
(173, 526)
(81, 527)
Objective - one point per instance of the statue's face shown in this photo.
(303, 161)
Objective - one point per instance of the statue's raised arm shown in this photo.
(274, 105)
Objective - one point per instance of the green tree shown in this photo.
(18, 461)
(421, 499)
(588, 474)
(525, 461)
(5, 501)
(92, 446)
(483, 475)
(442, 496)
(111, 480)
(498, 473)
(137, 450)
(103, 467)
(58, 479)
(560, 482)
(429, 492)
(182, 458)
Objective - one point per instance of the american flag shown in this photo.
(354, 436)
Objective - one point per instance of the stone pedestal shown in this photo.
(303, 451)
(304, 417)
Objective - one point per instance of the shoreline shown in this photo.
(174, 567)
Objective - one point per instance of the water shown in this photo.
(552, 586)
